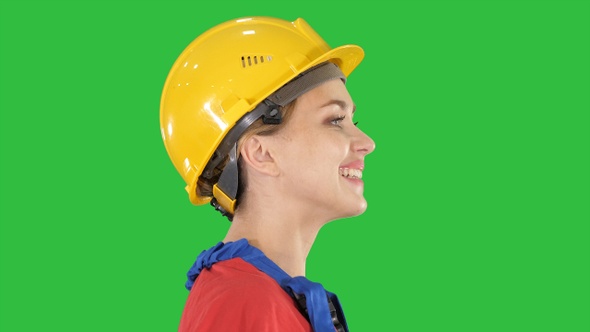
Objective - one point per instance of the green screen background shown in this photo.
(478, 190)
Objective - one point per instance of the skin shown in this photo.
(294, 183)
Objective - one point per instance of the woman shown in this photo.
(256, 118)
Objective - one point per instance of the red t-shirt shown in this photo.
(233, 295)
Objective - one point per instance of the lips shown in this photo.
(357, 164)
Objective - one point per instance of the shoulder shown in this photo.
(236, 275)
(234, 295)
(235, 282)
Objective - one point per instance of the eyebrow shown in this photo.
(340, 103)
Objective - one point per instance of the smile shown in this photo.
(351, 173)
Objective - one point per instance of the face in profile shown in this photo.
(320, 153)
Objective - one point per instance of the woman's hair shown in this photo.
(205, 186)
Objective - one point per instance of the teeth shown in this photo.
(351, 173)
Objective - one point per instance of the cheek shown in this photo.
(302, 151)
(321, 151)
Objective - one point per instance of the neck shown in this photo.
(284, 237)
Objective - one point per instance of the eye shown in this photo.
(338, 120)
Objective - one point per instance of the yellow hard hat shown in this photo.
(226, 73)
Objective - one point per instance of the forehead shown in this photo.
(333, 90)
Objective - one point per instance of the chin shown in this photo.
(362, 208)
(356, 209)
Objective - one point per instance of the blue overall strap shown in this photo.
(222, 252)
(316, 296)
(316, 302)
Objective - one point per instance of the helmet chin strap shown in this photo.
(226, 189)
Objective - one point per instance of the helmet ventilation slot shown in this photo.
(252, 60)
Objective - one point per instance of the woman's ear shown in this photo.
(257, 153)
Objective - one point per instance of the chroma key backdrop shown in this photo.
(478, 190)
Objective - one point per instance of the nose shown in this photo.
(362, 143)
